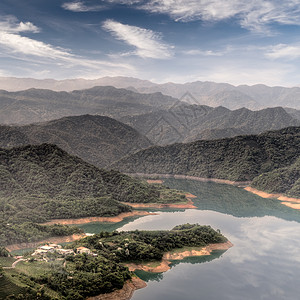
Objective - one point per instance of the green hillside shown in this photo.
(283, 180)
(98, 140)
(240, 159)
(39, 183)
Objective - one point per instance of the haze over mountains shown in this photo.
(202, 93)
(34, 105)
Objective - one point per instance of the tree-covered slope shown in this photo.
(283, 180)
(98, 140)
(42, 182)
(187, 123)
(239, 158)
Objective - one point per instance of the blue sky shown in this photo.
(234, 41)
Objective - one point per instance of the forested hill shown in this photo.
(240, 158)
(283, 180)
(98, 140)
(39, 183)
(35, 105)
(188, 123)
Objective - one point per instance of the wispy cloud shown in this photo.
(148, 43)
(283, 51)
(80, 6)
(14, 45)
(204, 52)
(254, 15)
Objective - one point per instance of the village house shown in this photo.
(65, 251)
(82, 250)
(52, 248)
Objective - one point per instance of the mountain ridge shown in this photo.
(99, 140)
(209, 93)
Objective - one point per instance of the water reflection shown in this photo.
(263, 264)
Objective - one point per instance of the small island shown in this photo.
(98, 265)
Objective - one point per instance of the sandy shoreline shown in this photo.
(115, 219)
(165, 262)
(287, 201)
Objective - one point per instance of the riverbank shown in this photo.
(125, 293)
(114, 219)
(54, 239)
(203, 179)
(287, 201)
(178, 254)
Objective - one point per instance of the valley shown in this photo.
(68, 175)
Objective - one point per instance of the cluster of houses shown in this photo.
(54, 248)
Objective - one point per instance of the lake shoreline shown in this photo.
(136, 283)
(189, 204)
(86, 220)
(74, 237)
(165, 262)
(287, 201)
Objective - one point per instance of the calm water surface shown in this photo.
(263, 264)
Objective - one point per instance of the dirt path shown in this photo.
(15, 263)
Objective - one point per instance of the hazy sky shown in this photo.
(235, 41)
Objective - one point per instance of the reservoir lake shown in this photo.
(264, 262)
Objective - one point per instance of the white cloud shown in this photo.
(254, 15)
(283, 51)
(79, 6)
(148, 43)
(203, 52)
(11, 24)
(14, 45)
(27, 46)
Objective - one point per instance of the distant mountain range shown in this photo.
(240, 158)
(96, 139)
(202, 93)
(186, 123)
(35, 105)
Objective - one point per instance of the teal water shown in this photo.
(263, 264)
